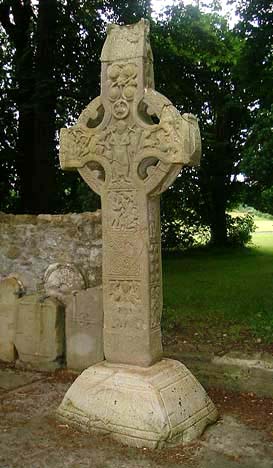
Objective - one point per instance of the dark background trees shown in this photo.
(256, 75)
(34, 93)
(50, 71)
(200, 53)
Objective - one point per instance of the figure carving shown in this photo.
(129, 157)
(124, 213)
(129, 146)
(119, 141)
(125, 290)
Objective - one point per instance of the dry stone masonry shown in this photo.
(129, 145)
(50, 298)
(30, 244)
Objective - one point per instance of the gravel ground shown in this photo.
(31, 437)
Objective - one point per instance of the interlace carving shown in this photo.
(129, 145)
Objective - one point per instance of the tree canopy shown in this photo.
(50, 71)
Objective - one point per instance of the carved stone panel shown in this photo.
(129, 156)
(133, 154)
(125, 303)
(122, 254)
(123, 211)
(63, 278)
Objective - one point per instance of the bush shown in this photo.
(253, 211)
(240, 229)
(181, 235)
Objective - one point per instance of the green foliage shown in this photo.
(240, 229)
(178, 235)
(200, 52)
(257, 162)
(255, 71)
(209, 68)
(77, 195)
(256, 58)
(39, 80)
(267, 200)
(251, 210)
(229, 289)
(181, 204)
(191, 232)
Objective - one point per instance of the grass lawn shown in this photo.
(227, 291)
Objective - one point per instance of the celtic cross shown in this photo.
(129, 145)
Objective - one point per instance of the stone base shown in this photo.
(142, 407)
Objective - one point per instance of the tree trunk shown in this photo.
(44, 172)
(25, 147)
(218, 224)
(19, 34)
(216, 181)
(35, 100)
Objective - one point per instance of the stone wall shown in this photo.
(30, 244)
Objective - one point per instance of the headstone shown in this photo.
(10, 290)
(129, 145)
(84, 326)
(63, 278)
(39, 338)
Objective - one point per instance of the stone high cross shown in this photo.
(129, 145)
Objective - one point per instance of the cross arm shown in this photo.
(167, 146)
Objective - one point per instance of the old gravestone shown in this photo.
(129, 145)
(83, 314)
(39, 336)
(10, 290)
(83, 328)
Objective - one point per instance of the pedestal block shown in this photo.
(151, 407)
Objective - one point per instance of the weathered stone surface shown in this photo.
(10, 289)
(63, 278)
(30, 244)
(142, 407)
(233, 371)
(84, 329)
(40, 337)
(128, 159)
